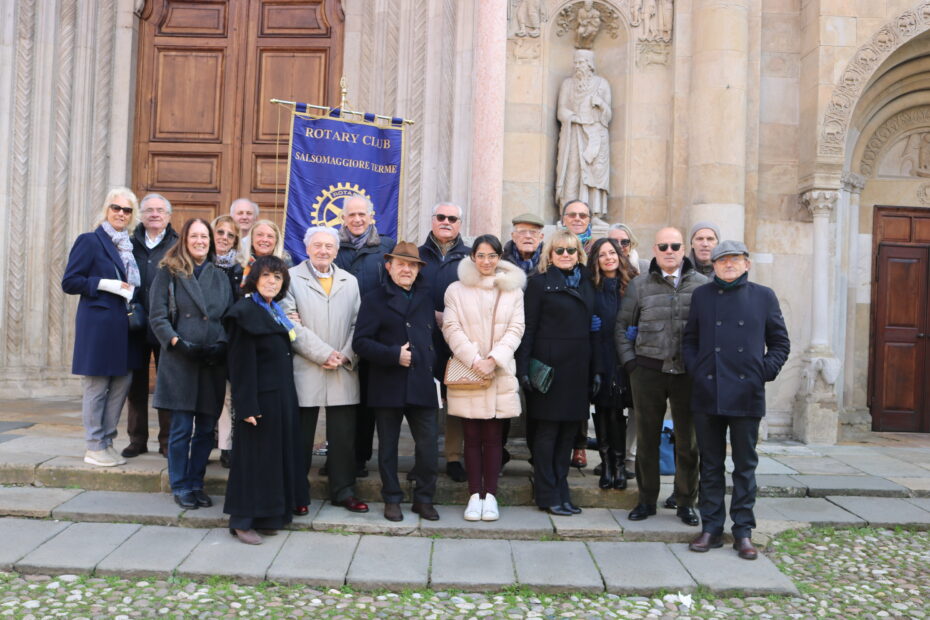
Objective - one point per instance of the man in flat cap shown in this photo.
(525, 245)
(734, 342)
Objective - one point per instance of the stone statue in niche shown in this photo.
(529, 17)
(586, 19)
(589, 23)
(583, 162)
(655, 18)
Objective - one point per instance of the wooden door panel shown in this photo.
(900, 346)
(895, 228)
(182, 211)
(180, 171)
(289, 74)
(293, 18)
(201, 18)
(188, 98)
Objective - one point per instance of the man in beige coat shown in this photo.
(326, 299)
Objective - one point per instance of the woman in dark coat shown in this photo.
(102, 270)
(266, 482)
(187, 301)
(610, 272)
(558, 305)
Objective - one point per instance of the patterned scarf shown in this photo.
(573, 279)
(226, 260)
(277, 314)
(357, 242)
(124, 246)
(526, 265)
(585, 236)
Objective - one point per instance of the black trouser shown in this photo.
(364, 419)
(137, 420)
(653, 391)
(552, 456)
(581, 436)
(712, 440)
(423, 427)
(340, 456)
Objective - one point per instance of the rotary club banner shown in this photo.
(332, 159)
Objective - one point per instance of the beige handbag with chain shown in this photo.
(461, 377)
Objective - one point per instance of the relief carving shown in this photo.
(652, 53)
(586, 19)
(529, 16)
(525, 49)
(923, 194)
(655, 17)
(895, 126)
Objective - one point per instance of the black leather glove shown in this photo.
(527, 384)
(629, 367)
(595, 385)
(215, 353)
(189, 350)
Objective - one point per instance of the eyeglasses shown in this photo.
(491, 256)
(525, 232)
(118, 208)
(561, 251)
(442, 217)
(150, 211)
(578, 214)
(663, 247)
(224, 233)
(625, 243)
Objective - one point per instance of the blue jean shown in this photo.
(189, 444)
(100, 408)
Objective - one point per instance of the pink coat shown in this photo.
(466, 326)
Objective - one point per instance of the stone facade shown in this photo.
(785, 121)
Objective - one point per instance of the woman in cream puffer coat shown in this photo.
(467, 328)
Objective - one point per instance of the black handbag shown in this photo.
(135, 312)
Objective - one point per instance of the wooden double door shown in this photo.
(900, 384)
(205, 131)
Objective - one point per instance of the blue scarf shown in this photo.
(585, 236)
(573, 279)
(277, 314)
(526, 265)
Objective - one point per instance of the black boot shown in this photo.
(606, 480)
(616, 459)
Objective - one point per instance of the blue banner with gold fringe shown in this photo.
(332, 159)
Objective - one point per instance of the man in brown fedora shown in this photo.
(394, 332)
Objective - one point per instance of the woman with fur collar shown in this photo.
(483, 325)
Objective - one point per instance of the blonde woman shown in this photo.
(266, 239)
(103, 271)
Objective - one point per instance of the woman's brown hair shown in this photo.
(178, 260)
(625, 271)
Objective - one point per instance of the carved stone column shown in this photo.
(717, 115)
(488, 104)
(817, 416)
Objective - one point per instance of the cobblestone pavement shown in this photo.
(853, 573)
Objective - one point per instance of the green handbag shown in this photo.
(540, 375)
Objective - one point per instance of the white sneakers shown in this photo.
(116, 455)
(101, 458)
(482, 509)
(474, 509)
(489, 510)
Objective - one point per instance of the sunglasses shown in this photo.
(442, 217)
(561, 251)
(117, 209)
(625, 243)
(579, 215)
(663, 247)
(223, 233)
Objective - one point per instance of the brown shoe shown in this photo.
(745, 549)
(704, 542)
(392, 512)
(579, 459)
(249, 537)
(427, 511)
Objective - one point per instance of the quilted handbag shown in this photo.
(461, 377)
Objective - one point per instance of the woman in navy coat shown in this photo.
(102, 270)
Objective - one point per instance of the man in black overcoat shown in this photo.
(734, 342)
(394, 332)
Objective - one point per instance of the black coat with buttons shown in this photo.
(388, 318)
(734, 342)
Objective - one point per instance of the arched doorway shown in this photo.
(205, 132)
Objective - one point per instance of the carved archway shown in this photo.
(859, 71)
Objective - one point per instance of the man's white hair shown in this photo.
(448, 204)
(232, 207)
(149, 197)
(363, 197)
(320, 229)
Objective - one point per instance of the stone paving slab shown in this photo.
(884, 511)
(640, 568)
(221, 554)
(816, 465)
(556, 566)
(391, 562)
(767, 466)
(120, 507)
(665, 526)
(471, 565)
(881, 465)
(822, 486)
(20, 536)
(20, 467)
(591, 523)
(921, 502)
(814, 510)
(33, 501)
(153, 551)
(77, 549)
(515, 523)
(316, 558)
(332, 517)
(137, 474)
(43, 444)
(207, 518)
(722, 571)
(919, 487)
(775, 485)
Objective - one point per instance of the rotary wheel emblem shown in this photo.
(328, 206)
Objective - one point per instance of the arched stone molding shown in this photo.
(857, 74)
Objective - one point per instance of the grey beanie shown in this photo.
(699, 225)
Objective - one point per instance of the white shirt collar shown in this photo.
(150, 242)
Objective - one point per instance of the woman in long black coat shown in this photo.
(610, 272)
(558, 306)
(266, 482)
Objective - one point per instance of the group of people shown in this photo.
(377, 332)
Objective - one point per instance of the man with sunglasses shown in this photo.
(150, 241)
(656, 304)
(442, 251)
(576, 217)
